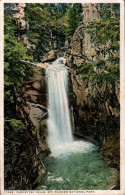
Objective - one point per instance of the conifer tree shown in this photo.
(72, 20)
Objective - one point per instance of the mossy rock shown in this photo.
(110, 152)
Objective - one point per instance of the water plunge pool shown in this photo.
(77, 166)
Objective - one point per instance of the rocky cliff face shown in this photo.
(96, 108)
(90, 12)
(83, 48)
(26, 169)
(31, 107)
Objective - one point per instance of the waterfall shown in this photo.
(59, 125)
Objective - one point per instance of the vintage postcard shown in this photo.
(62, 97)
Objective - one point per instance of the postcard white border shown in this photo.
(122, 105)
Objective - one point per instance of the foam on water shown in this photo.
(64, 150)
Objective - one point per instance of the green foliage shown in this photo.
(116, 10)
(14, 124)
(72, 20)
(113, 73)
(17, 123)
(38, 34)
(45, 23)
(108, 71)
(99, 72)
(108, 30)
(84, 70)
(15, 72)
(50, 22)
(108, 10)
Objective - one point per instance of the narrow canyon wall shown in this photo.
(32, 108)
(96, 108)
(26, 168)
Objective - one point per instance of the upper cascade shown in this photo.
(58, 64)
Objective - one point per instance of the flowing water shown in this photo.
(59, 124)
(74, 164)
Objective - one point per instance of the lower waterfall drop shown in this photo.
(59, 125)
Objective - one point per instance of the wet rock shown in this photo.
(77, 87)
(32, 92)
(50, 56)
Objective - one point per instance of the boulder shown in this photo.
(50, 56)
(36, 85)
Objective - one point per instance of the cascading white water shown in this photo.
(59, 124)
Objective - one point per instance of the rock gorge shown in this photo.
(95, 109)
